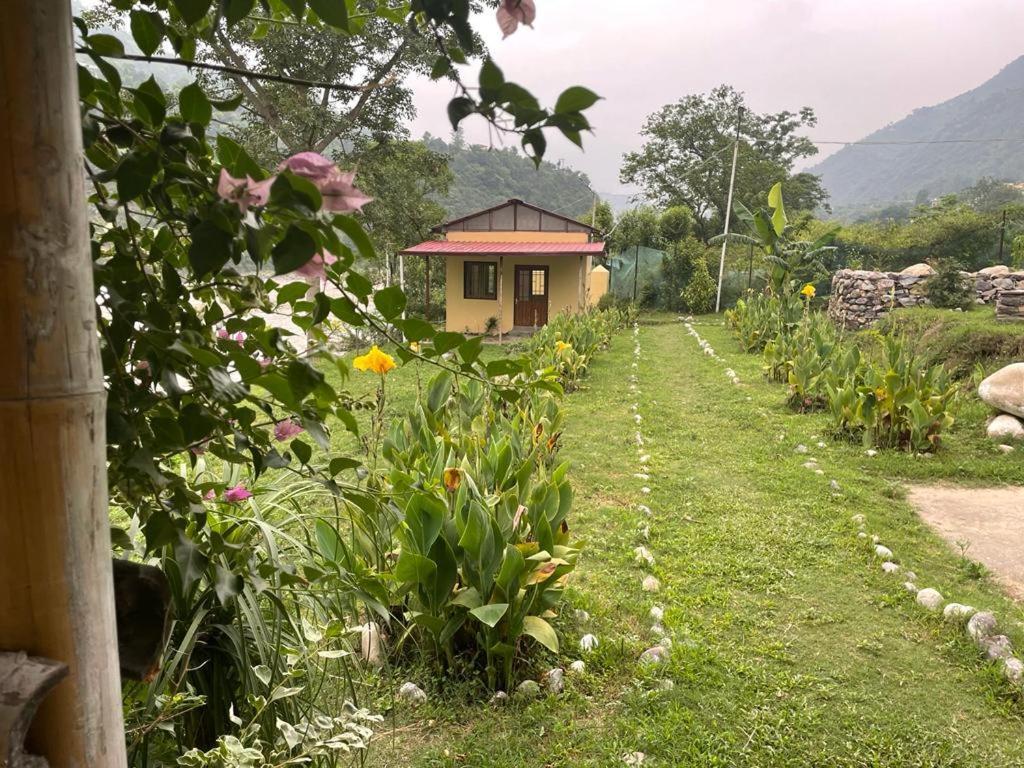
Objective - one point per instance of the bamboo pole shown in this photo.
(56, 588)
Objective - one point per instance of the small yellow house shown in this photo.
(516, 263)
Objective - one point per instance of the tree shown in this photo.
(675, 223)
(685, 159)
(677, 270)
(604, 217)
(636, 226)
(989, 195)
(699, 294)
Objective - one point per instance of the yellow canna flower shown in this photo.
(561, 346)
(452, 478)
(808, 291)
(374, 360)
(414, 346)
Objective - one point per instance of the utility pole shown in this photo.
(728, 211)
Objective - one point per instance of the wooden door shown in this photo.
(531, 296)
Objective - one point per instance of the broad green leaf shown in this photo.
(413, 568)
(294, 250)
(333, 12)
(194, 106)
(147, 30)
(192, 10)
(779, 212)
(576, 99)
(490, 614)
(541, 631)
(390, 301)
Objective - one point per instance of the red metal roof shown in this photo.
(459, 247)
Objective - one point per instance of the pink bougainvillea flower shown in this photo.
(512, 13)
(264, 362)
(243, 192)
(240, 338)
(314, 268)
(337, 187)
(286, 430)
(222, 333)
(238, 493)
(210, 495)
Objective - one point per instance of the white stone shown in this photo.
(650, 584)
(957, 612)
(819, 471)
(821, 444)
(645, 509)
(582, 616)
(528, 689)
(637, 418)
(883, 552)
(656, 654)
(858, 519)
(634, 758)
(930, 598)
(997, 269)
(645, 490)
(870, 453)
(412, 693)
(499, 699)
(1005, 427)
(588, 642)
(641, 476)
(1005, 448)
(554, 679)
(645, 532)
(370, 644)
(657, 629)
(657, 613)
(1004, 389)
(577, 667)
(861, 535)
(645, 458)
(997, 647)
(800, 449)
(911, 575)
(1013, 669)
(810, 464)
(834, 485)
(890, 567)
(874, 538)
(981, 625)
(910, 586)
(643, 556)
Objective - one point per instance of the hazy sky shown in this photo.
(859, 63)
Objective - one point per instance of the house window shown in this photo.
(481, 280)
(537, 280)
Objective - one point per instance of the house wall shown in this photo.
(508, 236)
(470, 315)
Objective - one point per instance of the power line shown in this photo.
(921, 141)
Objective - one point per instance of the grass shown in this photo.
(791, 647)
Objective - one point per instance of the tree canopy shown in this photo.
(686, 156)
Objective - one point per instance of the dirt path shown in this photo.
(988, 521)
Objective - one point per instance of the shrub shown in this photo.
(949, 288)
(896, 402)
(677, 271)
(699, 295)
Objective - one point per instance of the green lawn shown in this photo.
(791, 647)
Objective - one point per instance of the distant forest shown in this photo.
(486, 177)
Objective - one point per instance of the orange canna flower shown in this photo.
(561, 346)
(374, 360)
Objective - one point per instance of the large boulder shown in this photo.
(918, 270)
(1004, 389)
(1006, 427)
(998, 269)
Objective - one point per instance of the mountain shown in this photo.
(858, 175)
(486, 177)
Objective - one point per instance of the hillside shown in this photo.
(486, 177)
(860, 175)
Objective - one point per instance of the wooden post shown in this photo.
(56, 588)
(426, 294)
(501, 296)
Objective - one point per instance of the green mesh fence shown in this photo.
(633, 269)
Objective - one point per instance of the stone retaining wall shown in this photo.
(1010, 305)
(860, 298)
